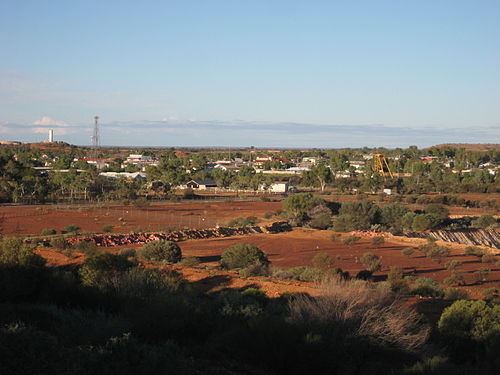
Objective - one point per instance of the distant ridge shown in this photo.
(472, 146)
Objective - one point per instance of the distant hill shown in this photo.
(472, 146)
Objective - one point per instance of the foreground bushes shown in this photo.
(242, 256)
(162, 250)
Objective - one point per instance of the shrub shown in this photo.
(437, 210)
(241, 221)
(407, 251)
(162, 250)
(256, 269)
(128, 253)
(427, 288)
(392, 214)
(491, 295)
(107, 228)
(471, 330)
(87, 247)
(242, 256)
(59, 243)
(456, 278)
(14, 252)
(322, 261)
(482, 274)
(48, 232)
(97, 268)
(453, 265)
(396, 280)
(321, 221)
(423, 222)
(350, 240)
(455, 294)
(474, 251)
(378, 241)
(190, 261)
(488, 258)
(371, 262)
(72, 228)
(255, 293)
(437, 253)
(353, 310)
(484, 221)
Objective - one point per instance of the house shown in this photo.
(276, 187)
(126, 175)
(140, 161)
(227, 167)
(201, 184)
(99, 163)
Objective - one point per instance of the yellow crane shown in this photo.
(380, 165)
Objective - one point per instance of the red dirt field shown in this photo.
(297, 248)
(30, 220)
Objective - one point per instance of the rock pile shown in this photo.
(109, 240)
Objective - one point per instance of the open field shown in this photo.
(30, 220)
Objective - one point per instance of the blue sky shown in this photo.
(249, 72)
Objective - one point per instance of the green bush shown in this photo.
(455, 294)
(378, 241)
(307, 274)
(453, 265)
(99, 267)
(471, 329)
(162, 250)
(484, 221)
(437, 210)
(474, 251)
(456, 278)
(322, 261)
(59, 243)
(87, 247)
(241, 221)
(48, 232)
(392, 215)
(423, 222)
(396, 280)
(427, 288)
(14, 252)
(242, 256)
(301, 203)
(335, 237)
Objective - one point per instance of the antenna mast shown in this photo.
(95, 137)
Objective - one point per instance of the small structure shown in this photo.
(201, 184)
(276, 187)
(126, 175)
(51, 136)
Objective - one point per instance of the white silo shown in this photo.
(51, 135)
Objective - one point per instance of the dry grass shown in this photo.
(356, 310)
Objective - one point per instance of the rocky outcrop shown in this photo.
(472, 236)
(109, 240)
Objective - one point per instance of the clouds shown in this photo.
(240, 133)
(49, 121)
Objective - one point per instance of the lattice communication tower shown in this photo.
(380, 165)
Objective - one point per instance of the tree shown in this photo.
(301, 203)
(99, 267)
(162, 250)
(322, 174)
(355, 215)
(392, 215)
(242, 256)
(437, 210)
(14, 252)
